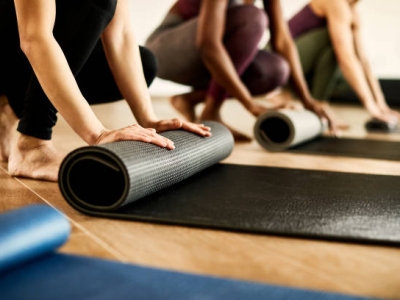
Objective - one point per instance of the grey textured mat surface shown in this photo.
(108, 176)
(349, 207)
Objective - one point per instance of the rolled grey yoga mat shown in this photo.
(283, 129)
(106, 177)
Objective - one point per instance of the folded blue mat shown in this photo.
(30, 269)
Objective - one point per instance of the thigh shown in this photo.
(96, 80)
(15, 70)
(174, 45)
(310, 45)
(267, 71)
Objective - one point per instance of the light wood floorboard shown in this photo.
(329, 266)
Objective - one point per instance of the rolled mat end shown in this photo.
(106, 177)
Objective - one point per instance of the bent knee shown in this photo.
(282, 71)
(149, 63)
(249, 16)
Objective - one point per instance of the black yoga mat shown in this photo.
(30, 268)
(289, 202)
(187, 186)
(349, 147)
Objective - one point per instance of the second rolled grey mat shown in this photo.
(106, 177)
(283, 129)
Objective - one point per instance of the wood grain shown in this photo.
(329, 266)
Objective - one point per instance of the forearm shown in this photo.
(354, 74)
(124, 60)
(374, 84)
(59, 85)
(218, 62)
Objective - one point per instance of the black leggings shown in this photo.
(78, 26)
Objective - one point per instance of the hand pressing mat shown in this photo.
(31, 269)
(108, 176)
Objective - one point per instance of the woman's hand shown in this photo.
(324, 111)
(382, 113)
(174, 124)
(135, 133)
(257, 109)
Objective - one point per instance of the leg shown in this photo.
(77, 29)
(319, 67)
(96, 80)
(266, 72)
(14, 75)
(8, 125)
(245, 26)
(326, 72)
(185, 104)
(174, 45)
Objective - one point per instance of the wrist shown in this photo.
(92, 137)
(308, 102)
(148, 122)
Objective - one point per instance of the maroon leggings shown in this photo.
(174, 45)
(260, 70)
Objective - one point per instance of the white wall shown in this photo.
(380, 32)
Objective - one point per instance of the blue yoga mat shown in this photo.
(31, 269)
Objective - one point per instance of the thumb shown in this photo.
(169, 125)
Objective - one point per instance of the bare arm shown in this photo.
(210, 33)
(35, 23)
(123, 56)
(361, 53)
(122, 52)
(282, 42)
(346, 44)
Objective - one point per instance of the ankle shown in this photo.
(26, 142)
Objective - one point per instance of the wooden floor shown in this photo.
(329, 266)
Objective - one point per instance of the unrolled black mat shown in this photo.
(350, 147)
(347, 207)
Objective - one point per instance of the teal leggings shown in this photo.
(319, 64)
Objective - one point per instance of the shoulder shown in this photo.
(333, 8)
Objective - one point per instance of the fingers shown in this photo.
(386, 118)
(324, 112)
(150, 135)
(199, 129)
(258, 110)
(136, 133)
(174, 124)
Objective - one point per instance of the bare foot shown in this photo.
(34, 158)
(8, 123)
(185, 104)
